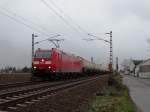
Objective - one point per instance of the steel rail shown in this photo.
(22, 97)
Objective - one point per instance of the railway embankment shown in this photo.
(114, 98)
(73, 99)
(8, 78)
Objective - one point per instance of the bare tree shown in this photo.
(148, 40)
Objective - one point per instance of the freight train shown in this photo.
(48, 64)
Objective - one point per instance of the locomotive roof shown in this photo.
(58, 50)
(69, 54)
(43, 50)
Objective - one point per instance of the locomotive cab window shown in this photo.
(43, 54)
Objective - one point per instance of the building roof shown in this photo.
(137, 62)
(146, 62)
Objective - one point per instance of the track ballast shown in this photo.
(17, 98)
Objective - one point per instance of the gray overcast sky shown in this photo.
(129, 21)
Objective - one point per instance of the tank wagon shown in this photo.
(56, 63)
(89, 67)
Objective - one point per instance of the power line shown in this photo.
(16, 15)
(60, 16)
(61, 11)
(24, 19)
(23, 23)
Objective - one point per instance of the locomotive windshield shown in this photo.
(43, 54)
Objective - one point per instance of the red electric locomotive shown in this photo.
(54, 62)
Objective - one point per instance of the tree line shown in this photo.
(9, 69)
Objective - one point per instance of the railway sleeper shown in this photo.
(29, 102)
(21, 105)
(42, 94)
(12, 108)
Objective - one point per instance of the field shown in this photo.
(14, 78)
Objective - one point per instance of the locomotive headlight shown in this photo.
(49, 67)
(34, 67)
(42, 60)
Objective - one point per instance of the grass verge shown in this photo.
(114, 98)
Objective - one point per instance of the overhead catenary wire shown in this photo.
(98, 38)
(61, 11)
(60, 16)
(22, 20)
(72, 21)
(79, 27)
(48, 39)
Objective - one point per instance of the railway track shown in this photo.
(19, 98)
(19, 84)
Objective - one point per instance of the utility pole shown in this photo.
(111, 52)
(117, 67)
(92, 59)
(33, 35)
(32, 45)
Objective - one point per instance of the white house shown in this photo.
(143, 69)
(133, 65)
(130, 66)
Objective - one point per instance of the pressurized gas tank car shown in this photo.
(54, 63)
